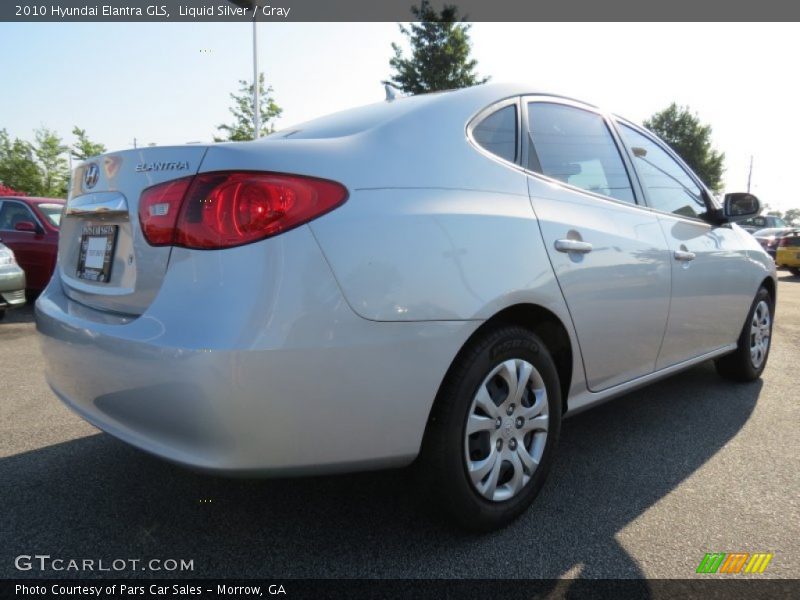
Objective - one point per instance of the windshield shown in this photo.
(52, 212)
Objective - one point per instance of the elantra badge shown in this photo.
(162, 166)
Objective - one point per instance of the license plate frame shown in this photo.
(94, 239)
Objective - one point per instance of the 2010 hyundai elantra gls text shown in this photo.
(440, 277)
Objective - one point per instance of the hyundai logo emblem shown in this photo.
(91, 175)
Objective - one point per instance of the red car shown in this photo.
(29, 226)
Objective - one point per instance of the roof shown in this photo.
(36, 199)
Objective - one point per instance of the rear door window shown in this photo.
(575, 146)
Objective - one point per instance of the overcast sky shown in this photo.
(168, 83)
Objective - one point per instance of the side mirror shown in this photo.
(740, 206)
(26, 226)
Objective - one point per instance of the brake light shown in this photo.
(231, 208)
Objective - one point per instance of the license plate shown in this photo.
(97, 252)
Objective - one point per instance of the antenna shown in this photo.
(256, 81)
(392, 93)
(750, 174)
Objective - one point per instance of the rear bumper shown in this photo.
(270, 373)
(12, 288)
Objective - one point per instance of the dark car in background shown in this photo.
(770, 238)
(762, 222)
(29, 226)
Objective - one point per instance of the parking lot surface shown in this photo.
(643, 486)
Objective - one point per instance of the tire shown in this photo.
(795, 271)
(746, 363)
(482, 373)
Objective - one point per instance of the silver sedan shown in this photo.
(441, 277)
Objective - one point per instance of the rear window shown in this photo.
(755, 222)
(497, 133)
(763, 222)
(354, 120)
(52, 212)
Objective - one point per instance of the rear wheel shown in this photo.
(494, 428)
(795, 271)
(747, 362)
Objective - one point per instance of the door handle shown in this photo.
(684, 256)
(573, 246)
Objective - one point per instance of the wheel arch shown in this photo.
(543, 323)
(769, 284)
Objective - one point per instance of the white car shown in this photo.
(12, 281)
(440, 277)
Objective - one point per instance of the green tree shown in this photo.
(84, 148)
(18, 168)
(50, 152)
(686, 135)
(440, 53)
(242, 128)
(792, 217)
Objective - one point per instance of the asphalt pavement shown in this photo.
(643, 486)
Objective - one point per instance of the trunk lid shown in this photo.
(103, 259)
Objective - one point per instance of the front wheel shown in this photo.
(494, 429)
(747, 362)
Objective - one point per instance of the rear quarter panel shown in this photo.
(433, 254)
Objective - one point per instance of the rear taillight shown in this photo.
(159, 207)
(7, 258)
(225, 209)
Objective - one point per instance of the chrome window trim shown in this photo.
(612, 122)
(692, 220)
(28, 208)
(478, 117)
